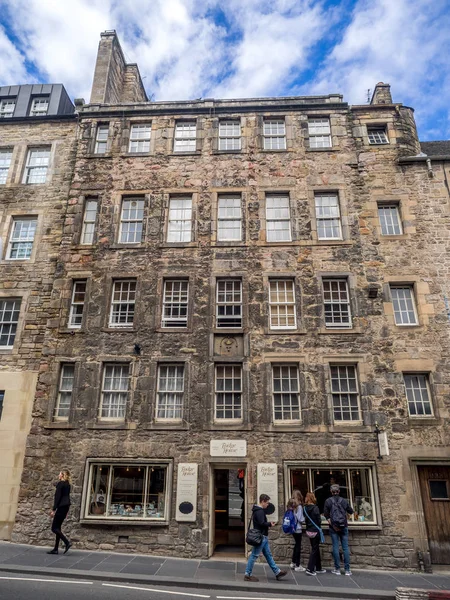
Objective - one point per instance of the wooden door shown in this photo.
(435, 489)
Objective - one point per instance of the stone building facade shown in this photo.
(37, 149)
(250, 296)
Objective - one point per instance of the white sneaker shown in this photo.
(348, 573)
(321, 571)
(292, 566)
(312, 573)
(336, 571)
(300, 568)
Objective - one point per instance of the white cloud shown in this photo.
(12, 64)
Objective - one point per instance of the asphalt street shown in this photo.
(18, 587)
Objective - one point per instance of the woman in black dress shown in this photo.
(61, 505)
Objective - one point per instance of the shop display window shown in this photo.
(127, 491)
(356, 485)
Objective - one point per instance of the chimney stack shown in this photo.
(382, 94)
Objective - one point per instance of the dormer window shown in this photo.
(7, 108)
(39, 107)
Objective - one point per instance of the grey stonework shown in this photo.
(363, 175)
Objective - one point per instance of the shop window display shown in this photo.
(356, 485)
(135, 491)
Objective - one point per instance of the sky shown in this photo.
(188, 49)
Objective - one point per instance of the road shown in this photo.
(17, 587)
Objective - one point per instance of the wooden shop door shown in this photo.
(435, 490)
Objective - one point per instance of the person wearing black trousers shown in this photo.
(61, 505)
(313, 521)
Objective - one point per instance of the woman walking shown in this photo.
(297, 497)
(61, 505)
(313, 531)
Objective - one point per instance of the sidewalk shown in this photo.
(219, 574)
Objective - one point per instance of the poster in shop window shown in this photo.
(187, 492)
(267, 483)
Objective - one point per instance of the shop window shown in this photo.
(229, 303)
(136, 491)
(175, 303)
(356, 484)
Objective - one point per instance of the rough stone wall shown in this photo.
(32, 281)
(363, 175)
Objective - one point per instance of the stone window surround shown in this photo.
(149, 412)
(427, 378)
(386, 123)
(94, 125)
(23, 295)
(340, 190)
(407, 219)
(66, 300)
(421, 366)
(335, 129)
(354, 309)
(167, 462)
(164, 275)
(214, 424)
(54, 389)
(118, 200)
(96, 421)
(12, 149)
(341, 464)
(180, 193)
(307, 135)
(267, 277)
(6, 226)
(200, 133)
(262, 195)
(215, 123)
(108, 285)
(126, 133)
(243, 276)
(79, 224)
(420, 291)
(276, 116)
(22, 157)
(215, 193)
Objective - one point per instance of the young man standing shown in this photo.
(260, 522)
(336, 510)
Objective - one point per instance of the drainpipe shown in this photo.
(430, 168)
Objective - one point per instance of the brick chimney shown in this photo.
(382, 94)
(115, 81)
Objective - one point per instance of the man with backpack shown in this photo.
(336, 510)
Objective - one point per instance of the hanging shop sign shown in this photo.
(267, 483)
(187, 492)
(227, 448)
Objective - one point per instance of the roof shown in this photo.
(441, 148)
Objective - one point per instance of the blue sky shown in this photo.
(242, 48)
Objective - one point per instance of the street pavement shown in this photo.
(190, 576)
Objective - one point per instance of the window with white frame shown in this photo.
(5, 163)
(131, 221)
(278, 218)
(185, 136)
(7, 108)
(77, 303)
(39, 107)
(36, 167)
(345, 393)
(170, 393)
(228, 392)
(336, 303)
(175, 303)
(389, 217)
(356, 482)
(328, 216)
(228, 303)
(285, 393)
(377, 135)
(417, 388)
(65, 392)
(404, 306)
(22, 236)
(101, 139)
(282, 313)
(115, 387)
(229, 219)
(122, 303)
(127, 491)
(89, 221)
(319, 132)
(274, 134)
(9, 318)
(180, 220)
(140, 138)
(229, 135)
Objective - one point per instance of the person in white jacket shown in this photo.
(300, 518)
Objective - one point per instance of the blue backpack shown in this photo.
(289, 522)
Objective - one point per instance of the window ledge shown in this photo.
(118, 330)
(423, 421)
(285, 331)
(228, 330)
(268, 151)
(331, 149)
(179, 245)
(59, 425)
(227, 152)
(295, 426)
(125, 522)
(357, 427)
(134, 246)
(93, 155)
(110, 425)
(166, 426)
(228, 426)
(69, 331)
(338, 330)
(228, 244)
(402, 236)
(196, 153)
(173, 330)
(334, 242)
(132, 154)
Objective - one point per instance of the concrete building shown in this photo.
(250, 296)
(37, 143)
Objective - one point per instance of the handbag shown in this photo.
(254, 537)
(312, 534)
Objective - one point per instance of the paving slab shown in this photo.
(178, 568)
